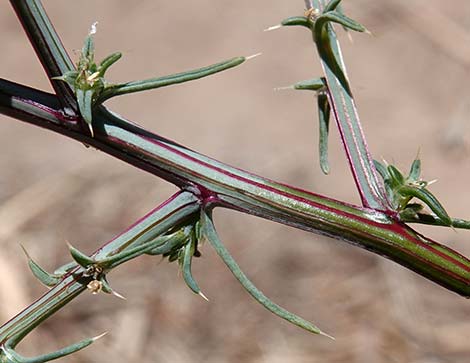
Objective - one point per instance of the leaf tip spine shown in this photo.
(274, 27)
(203, 296)
(253, 56)
(94, 339)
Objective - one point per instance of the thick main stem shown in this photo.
(219, 184)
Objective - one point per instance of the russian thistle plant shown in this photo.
(175, 229)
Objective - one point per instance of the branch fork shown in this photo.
(176, 228)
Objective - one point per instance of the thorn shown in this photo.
(93, 28)
(418, 153)
(431, 181)
(91, 130)
(25, 252)
(253, 56)
(274, 27)
(99, 336)
(203, 296)
(118, 295)
(327, 335)
(368, 32)
(283, 88)
(350, 37)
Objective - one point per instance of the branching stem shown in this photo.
(206, 183)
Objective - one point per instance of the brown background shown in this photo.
(411, 85)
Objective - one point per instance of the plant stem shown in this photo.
(217, 184)
(177, 210)
(346, 116)
(49, 49)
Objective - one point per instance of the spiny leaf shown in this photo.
(69, 77)
(411, 211)
(130, 253)
(332, 5)
(174, 255)
(316, 84)
(298, 21)
(396, 176)
(188, 254)
(85, 105)
(79, 257)
(108, 62)
(382, 170)
(208, 230)
(88, 50)
(322, 37)
(339, 18)
(339, 9)
(107, 289)
(65, 268)
(324, 122)
(415, 170)
(429, 199)
(433, 220)
(13, 357)
(153, 83)
(173, 243)
(42, 275)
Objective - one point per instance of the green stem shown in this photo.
(219, 184)
(49, 49)
(346, 116)
(181, 208)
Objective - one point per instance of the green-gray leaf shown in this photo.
(209, 232)
(85, 100)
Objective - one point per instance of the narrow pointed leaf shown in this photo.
(422, 218)
(69, 77)
(324, 125)
(339, 9)
(85, 100)
(298, 21)
(429, 199)
(322, 37)
(332, 5)
(79, 257)
(337, 17)
(107, 289)
(45, 277)
(396, 175)
(411, 211)
(382, 170)
(88, 52)
(42, 275)
(415, 170)
(316, 84)
(13, 357)
(130, 253)
(177, 240)
(188, 254)
(108, 62)
(153, 83)
(65, 268)
(210, 233)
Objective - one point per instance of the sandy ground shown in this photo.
(410, 80)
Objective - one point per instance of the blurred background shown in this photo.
(411, 83)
